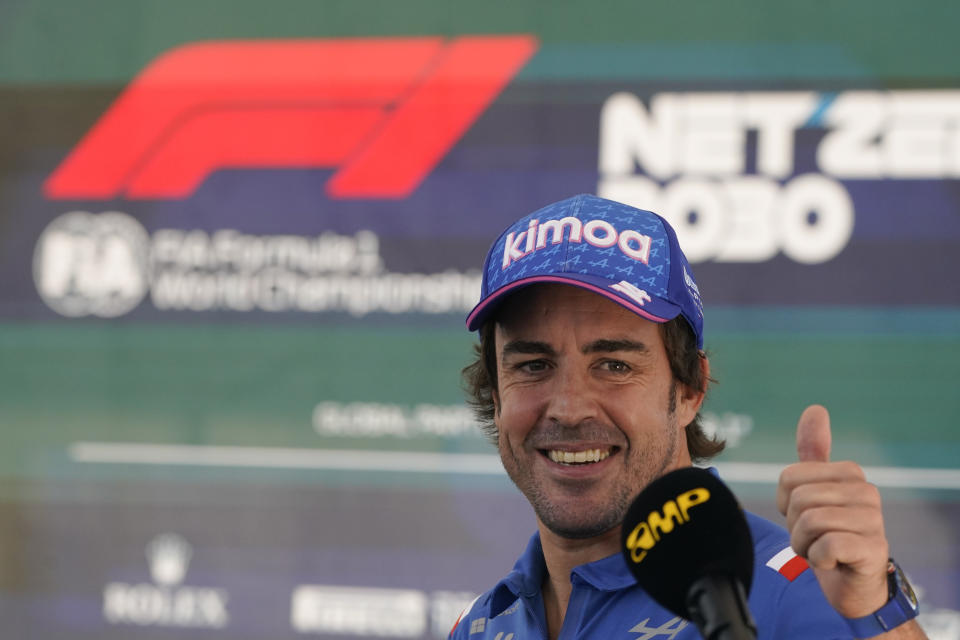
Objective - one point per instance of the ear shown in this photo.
(496, 403)
(689, 399)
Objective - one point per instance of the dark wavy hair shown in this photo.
(480, 381)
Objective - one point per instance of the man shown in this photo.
(590, 375)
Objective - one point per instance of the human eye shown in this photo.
(532, 366)
(615, 366)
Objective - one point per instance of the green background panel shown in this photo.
(891, 393)
(108, 41)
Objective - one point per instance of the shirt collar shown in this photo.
(523, 581)
(607, 574)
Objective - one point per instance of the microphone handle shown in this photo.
(718, 606)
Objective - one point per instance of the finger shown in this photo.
(835, 494)
(851, 550)
(806, 527)
(831, 494)
(851, 571)
(801, 474)
(813, 435)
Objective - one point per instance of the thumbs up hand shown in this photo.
(835, 521)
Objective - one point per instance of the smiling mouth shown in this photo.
(585, 456)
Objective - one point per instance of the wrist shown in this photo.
(900, 607)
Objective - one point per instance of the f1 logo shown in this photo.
(384, 112)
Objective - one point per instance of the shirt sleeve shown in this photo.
(802, 612)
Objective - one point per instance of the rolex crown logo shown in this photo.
(169, 556)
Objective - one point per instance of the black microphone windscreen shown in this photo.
(685, 525)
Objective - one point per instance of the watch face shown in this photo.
(903, 585)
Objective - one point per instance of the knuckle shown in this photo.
(792, 515)
(873, 494)
(784, 480)
(799, 544)
(789, 475)
(821, 553)
(804, 522)
(852, 469)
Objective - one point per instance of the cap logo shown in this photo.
(628, 255)
(598, 233)
(638, 295)
(694, 290)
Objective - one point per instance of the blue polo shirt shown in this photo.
(606, 603)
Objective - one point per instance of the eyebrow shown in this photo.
(609, 346)
(528, 347)
(603, 345)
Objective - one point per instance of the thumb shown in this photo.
(813, 435)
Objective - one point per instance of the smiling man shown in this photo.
(589, 377)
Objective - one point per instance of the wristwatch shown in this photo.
(901, 606)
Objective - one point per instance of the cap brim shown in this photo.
(654, 309)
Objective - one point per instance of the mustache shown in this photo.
(555, 434)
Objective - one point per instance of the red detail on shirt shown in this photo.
(456, 624)
(793, 568)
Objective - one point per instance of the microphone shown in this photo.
(686, 541)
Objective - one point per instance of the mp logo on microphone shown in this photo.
(675, 512)
(383, 112)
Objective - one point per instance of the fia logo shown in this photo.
(92, 264)
(669, 629)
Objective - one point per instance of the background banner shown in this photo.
(238, 243)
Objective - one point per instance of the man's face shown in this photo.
(584, 406)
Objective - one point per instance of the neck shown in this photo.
(561, 555)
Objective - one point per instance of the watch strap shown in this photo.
(900, 607)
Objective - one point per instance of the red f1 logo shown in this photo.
(383, 111)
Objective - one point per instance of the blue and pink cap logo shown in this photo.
(628, 255)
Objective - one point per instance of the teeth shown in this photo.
(578, 457)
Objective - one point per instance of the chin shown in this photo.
(580, 528)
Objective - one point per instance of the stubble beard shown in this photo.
(641, 467)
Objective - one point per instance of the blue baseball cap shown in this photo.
(628, 255)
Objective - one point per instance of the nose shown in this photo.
(571, 400)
